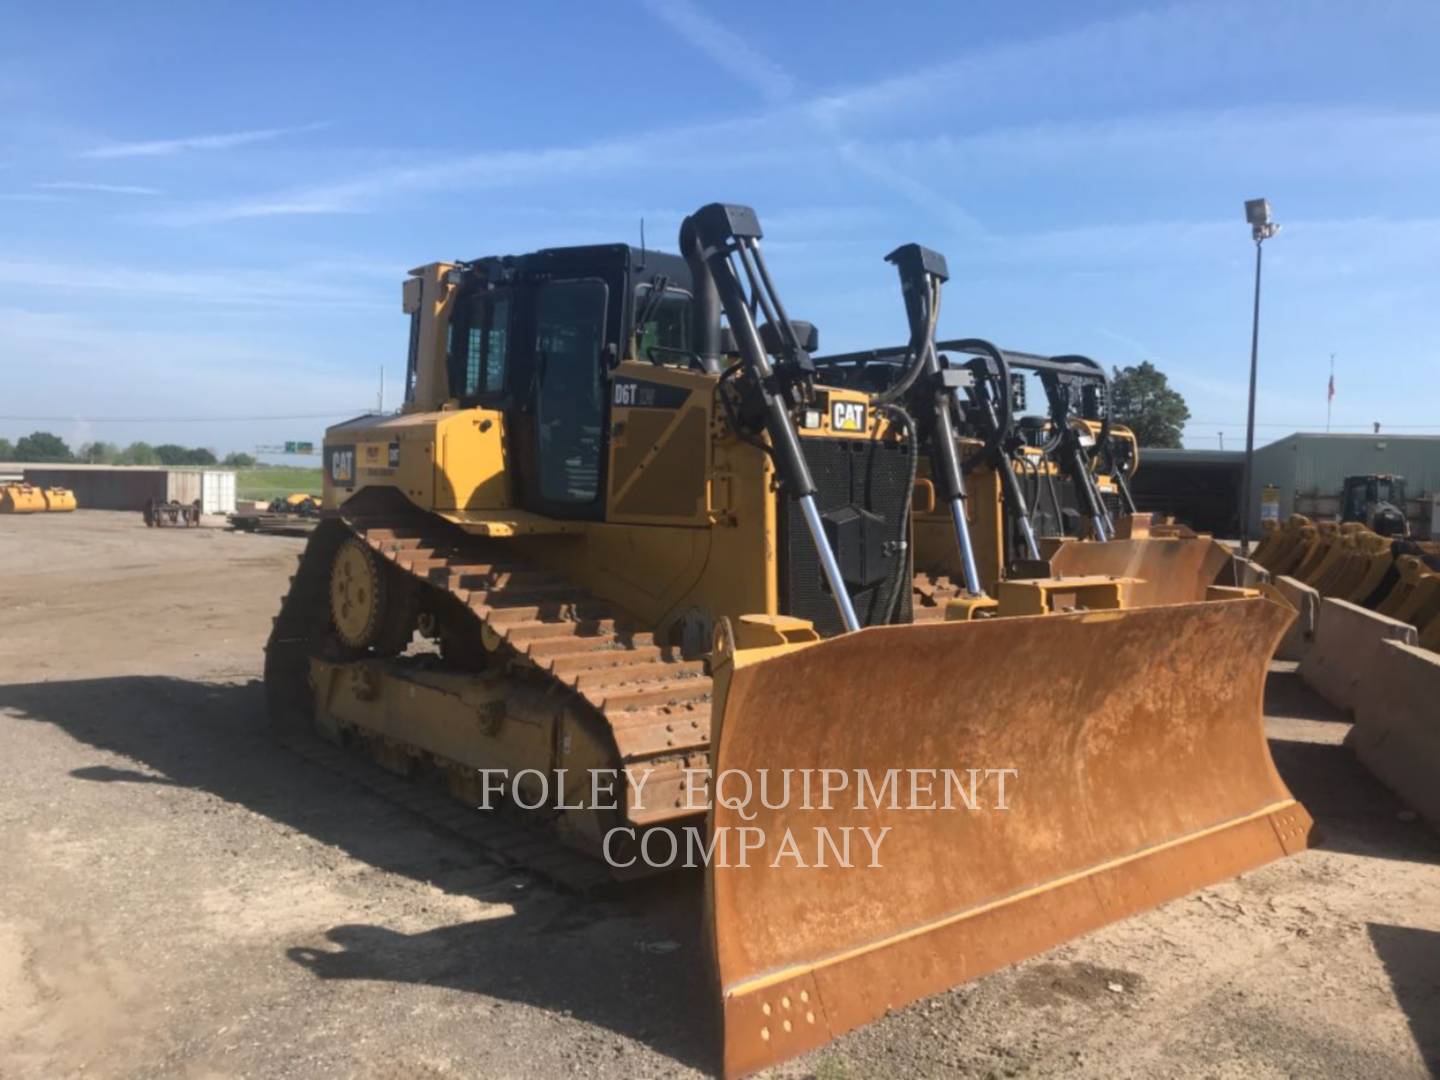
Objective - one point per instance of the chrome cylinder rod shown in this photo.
(967, 549)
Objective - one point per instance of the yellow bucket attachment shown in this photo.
(59, 500)
(1140, 773)
(21, 499)
(1166, 570)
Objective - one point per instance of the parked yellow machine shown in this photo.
(28, 499)
(1044, 494)
(1389, 574)
(649, 546)
(59, 500)
(21, 499)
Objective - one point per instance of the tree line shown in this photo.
(45, 447)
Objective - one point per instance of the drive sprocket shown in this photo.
(371, 606)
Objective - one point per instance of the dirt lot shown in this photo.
(180, 896)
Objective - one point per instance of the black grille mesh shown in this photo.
(872, 475)
(1045, 522)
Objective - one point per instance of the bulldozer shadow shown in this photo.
(107, 774)
(635, 967)
(653, 990)
(1412, 961)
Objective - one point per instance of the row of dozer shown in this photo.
(688, 587)
(29, 499)
(1398, 578)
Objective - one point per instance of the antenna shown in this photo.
(642, 243)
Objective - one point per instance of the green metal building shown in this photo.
(1202, 487)
(1309, 469)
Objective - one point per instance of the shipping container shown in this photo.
(217, 492)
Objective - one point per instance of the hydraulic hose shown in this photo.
(920, 351)
(901, 580)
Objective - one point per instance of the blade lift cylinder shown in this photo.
(726, 231)
(922, 273)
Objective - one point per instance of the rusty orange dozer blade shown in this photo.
(1168, 570)
(1143, 773)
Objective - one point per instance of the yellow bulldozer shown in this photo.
(968, 395)
(631, 567)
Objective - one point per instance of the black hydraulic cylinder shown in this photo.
(725, 231)
(1127, 498)
(707, 303)
(918, 266)
(922, 272)
(991, 370)
(716, 225)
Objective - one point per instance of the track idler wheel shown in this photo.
(372, 606)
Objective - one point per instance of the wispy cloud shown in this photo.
(772, 81)
(28, 197)
(167, 147)
(1100, 63)
(1340, 139)
(908, 184)
(103, 189)
(816, 127)
(725, 47)
(1139, 348)
(474, 172)
(864, 127)
(294, 286)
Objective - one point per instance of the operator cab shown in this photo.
(535, 335)
(1377, 501)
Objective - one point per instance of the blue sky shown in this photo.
(206, 210)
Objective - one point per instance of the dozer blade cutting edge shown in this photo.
(1141, 773)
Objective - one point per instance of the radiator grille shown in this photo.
(868, 474)
(1043, 510)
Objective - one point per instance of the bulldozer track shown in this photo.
(930, 595)
(655, 703)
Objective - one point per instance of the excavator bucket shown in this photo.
(59, 500)
(1166, 570)
(1135, 768)
(21, 499)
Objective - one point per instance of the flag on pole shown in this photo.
(1332, 388)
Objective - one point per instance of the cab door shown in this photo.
(568, 405)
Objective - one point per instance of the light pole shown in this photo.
(1257, 213)
(1330, 395)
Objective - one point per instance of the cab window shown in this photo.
(665, 335)
(479, 348)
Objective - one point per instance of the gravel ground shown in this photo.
(181, 897)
